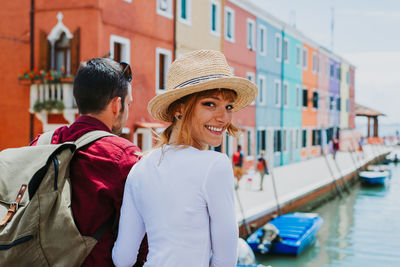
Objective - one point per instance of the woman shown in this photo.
(180, 193)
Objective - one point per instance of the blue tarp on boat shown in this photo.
(296, 231)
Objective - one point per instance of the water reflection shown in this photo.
(359, 229)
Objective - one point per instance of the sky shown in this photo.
(366, 33)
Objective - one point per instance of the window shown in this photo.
(251, 77)
(286, 50)
(184, 11)
(298, 96)
(347, 105)
(331, 103)
(263, 40)
(298, 56)
(262, 85)
(163, 60)
(314, 66)
(229, 24)
(318, 64)
(305, 97)
(314, 137)
(319, 137)
(315, 99)
(120, 49)
(348, 77)
(249, 144)
(62, 52)
(328, 105)
(278, 47)
(277, 93)
(215, 18)
(305, 58)
(228, 145)
(338, 104)
(332, 70)
(277, 141)
(261, 141)
(285, 94)
(304, 139)
(338, 74)
(284, 140)
(164, 8)
(251, 36)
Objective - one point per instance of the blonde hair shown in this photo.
(188, 103)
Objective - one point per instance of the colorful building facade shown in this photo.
(306, 92)
(240, 48)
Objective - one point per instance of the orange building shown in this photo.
(310, 99)
(67, 33)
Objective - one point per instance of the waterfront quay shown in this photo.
(300, 186)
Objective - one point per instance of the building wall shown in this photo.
(242, 61)
(197, 34)
(14, 97)
(309, 114)
(268, 114)
(352, 97)
(292, 113)
(324, 99)
(334, 89)
(344, 95)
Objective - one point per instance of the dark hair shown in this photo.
(97, 82)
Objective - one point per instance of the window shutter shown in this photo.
(75, 51)
(44, 51)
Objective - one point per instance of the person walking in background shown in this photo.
(181, 193)
(237, 162)
(335, 147)
(262, 168)
(98, 171)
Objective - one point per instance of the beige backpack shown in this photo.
(36, 223)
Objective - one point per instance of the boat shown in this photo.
(373, 177)
(380, 168)
(296, 231)
(394, 156)
(246, 256)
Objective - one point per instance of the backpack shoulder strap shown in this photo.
(91, 137)
(45, 138)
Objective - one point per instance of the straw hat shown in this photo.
(199, 71)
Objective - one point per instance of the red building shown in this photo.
(239, 48)
(67, 33)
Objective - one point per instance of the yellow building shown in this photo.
(344, 94)
(198, 25)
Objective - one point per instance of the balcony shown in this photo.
(52, 98)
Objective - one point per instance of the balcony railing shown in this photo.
(55, 92)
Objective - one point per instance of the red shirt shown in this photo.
(98, 175)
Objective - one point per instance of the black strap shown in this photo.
(103, 228)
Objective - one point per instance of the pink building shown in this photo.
(239, 48)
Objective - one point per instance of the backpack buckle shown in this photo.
(15, 204)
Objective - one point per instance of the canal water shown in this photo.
(360, 229)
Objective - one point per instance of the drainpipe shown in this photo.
(174, 29)
(282, 95)
(32, 59)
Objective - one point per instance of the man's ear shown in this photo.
(116, 105)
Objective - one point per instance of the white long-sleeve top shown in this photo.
(184, 200)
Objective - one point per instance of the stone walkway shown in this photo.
(296, 180)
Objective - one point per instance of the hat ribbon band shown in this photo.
(200, 79)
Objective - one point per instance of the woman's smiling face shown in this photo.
(211, 117)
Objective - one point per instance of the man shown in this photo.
(103, 94)
(237, 161)
(262, 168)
